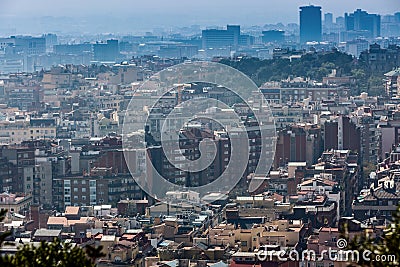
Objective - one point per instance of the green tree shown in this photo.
(376, 86)
(368, 167)
(361, 80)
(314, 66)
(387, 247)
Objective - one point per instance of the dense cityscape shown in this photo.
(86, 132)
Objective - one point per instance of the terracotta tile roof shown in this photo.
(81, 220)
(57, 221)
(277, 197)
(70, 210)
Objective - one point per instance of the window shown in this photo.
(83, 190)
(75, 189)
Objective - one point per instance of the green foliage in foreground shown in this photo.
(53, 253)
(384, 251)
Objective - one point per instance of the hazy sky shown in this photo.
(122, 15)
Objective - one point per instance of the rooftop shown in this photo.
(69, 210)
(47, 232)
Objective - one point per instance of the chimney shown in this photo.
(35, 215)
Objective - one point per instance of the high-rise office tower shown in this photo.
(363, 23)
(213, 38)
(328, 22)
(310, 24)
(106, 51)
(273, 36)
(397, 16)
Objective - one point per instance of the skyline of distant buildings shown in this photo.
(351, 33)
(189, 28)
(30, 53)
(169, 19)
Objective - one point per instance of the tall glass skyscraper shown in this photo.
(310, 24)
(363, 24)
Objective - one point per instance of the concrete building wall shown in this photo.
(388, 140)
